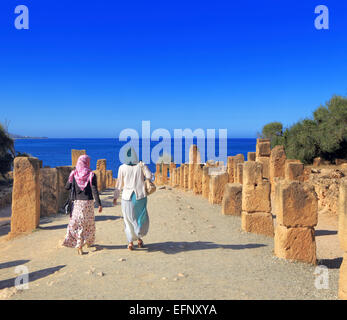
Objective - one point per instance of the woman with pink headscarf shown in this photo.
(81, 228)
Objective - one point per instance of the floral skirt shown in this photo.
(81, 227)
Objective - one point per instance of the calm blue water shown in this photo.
(57, 152)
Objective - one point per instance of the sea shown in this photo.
(57, 152)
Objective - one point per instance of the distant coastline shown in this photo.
(17, 136)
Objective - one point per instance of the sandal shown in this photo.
(131, 246)
(140, 243)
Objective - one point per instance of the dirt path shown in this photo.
(192, 252)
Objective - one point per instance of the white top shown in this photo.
(131, 179)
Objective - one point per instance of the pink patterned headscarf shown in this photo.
(82, 174)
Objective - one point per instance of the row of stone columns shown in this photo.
(41, 191)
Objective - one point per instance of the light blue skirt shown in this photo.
(135, 217)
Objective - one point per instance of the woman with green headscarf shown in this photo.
(131, 179)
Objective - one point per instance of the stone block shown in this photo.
(217, 184)
(297, 204)
(98, 175)
(252, 173)
(295, 244)
(342, 215)
(294, 171)
(75, 154)
(232, 199)
(256, 197)
(266, 166)
(257, 222)
(205, 182)
(164, 173)
(63, 176)
(191, 169)
(263, 149)
(25, 195)
(239, 158)
(343, 279)
(277, 163)
(185, 176)
(230, 169)
(49, 192)
(239, 173)
(198, 178)
(194, 154)
(251, 156)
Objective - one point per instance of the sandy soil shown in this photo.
(192, 252)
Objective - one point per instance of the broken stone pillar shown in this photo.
(277, 165)
(75, 154)
(256, 214)
(237, 159)
(172, 173)
(297, 215)
(232, 199)
(230, 169)
(164, 172)
(239, 171)
(251, 156)
(266, 166)
(198, 178)
(177, 176)
(63, 173)
(294, 170)
(194, 158)
(217, 184)
(25, 195)
(101, 166)
(263, 148)
(342, 233)
(205, 182)
(181, 176)
(109, 179)
(98, 175)
(185, 176)
(49, 192)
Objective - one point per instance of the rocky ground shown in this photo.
(192, 252)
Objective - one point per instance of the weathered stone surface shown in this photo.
(294, 171)
(109, 179)
(198, 178)
(251, 156)
(101, 166)
(205, 182)
(343, 279)
(258, 222)
(295, 244)
(182, 176)
(263, 149)
(277, 163)
(266, 166)
(63, 176)
(98, 175)
(49, 192)
(217, 184)
(256, 197)
(194, 154)
(164, 173)
(261, 140)
(25, 195)
(172, 174)
(232, 199)
(230, 169)
(338, 162)
(252, 173)
(298, 204)
(191, 177)
(239, 173)
(342, 215)
(239, 158)
(75, 154)
(185, 176)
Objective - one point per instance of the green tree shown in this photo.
(274, 132)
(7, 152)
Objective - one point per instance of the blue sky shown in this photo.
(93, 68)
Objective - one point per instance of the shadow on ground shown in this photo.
(177, 247)
(331, 263)
(11, 264)
(32, 276)
(318, 233)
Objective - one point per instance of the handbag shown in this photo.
(68, 207)
(149, 185)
